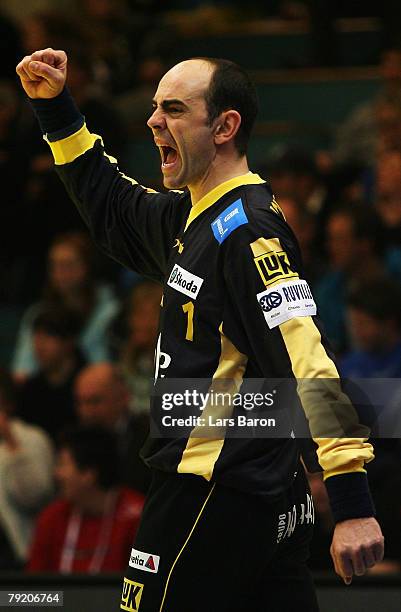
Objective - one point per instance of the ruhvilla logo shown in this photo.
(144, 561)
(185, 282)
(286, 301)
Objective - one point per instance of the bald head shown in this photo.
(101, 395)
(190, 79)
(222, 85)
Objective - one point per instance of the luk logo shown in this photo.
(131, 595)
(144, 561)
(270, 301)
(274, 266)
(185, 282)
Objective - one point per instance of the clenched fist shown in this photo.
(43, 74)
(358, 544)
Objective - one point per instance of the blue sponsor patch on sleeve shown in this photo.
(231, 218)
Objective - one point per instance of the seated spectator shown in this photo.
(357, 253)
(91, 526)
(133, 334)
(359, 136)
(46, 398)
(102, 398)
(374, 314)
(71, 284)
(388, 199)
(303, 224)
(294, 174)
(26, 477)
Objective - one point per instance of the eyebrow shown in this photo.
(171, 102)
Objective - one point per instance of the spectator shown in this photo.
(374, 313)
(356, 250)
(134, 334)
(102, 398)
(303, 224)
(388, 194)
(71, 284)
(46, 398)
(26, 465)
(294, 174)
(358, 136)
(90, 527)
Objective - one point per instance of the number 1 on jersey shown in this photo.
(188, 308)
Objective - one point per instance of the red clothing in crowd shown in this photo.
(65, 541)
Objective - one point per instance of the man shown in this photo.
(374, 315)
(212, 516)
(89, 528)
(102, 398)
(46, 398)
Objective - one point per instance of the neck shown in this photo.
(95, 502)
(220, 171)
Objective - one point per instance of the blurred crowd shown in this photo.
(75, 382)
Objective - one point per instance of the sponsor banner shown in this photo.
(144, 561)
(131, 595)
(231, 218)
(286, 301)
(185, 282)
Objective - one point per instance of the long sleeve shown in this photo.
(263, 272)
(133, 224)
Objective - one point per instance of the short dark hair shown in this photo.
(93, 447)
(380, 299)
(230, 87)
(59, 322)
(366, 224)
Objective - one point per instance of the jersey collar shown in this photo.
(218, 192)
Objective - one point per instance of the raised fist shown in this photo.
(43, 74)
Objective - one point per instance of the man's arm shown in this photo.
(284, 337)
(133, 224)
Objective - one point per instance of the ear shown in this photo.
(227, 125)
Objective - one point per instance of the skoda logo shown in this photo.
(270, 301)
(173, 275)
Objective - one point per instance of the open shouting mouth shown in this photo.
(169, 156)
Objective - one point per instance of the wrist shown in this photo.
(58, 117)
(350, 496)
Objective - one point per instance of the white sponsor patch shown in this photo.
(286, 301)
(185, 282)
(144, 561)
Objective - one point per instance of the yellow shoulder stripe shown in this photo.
(326, 406)
(67, 149)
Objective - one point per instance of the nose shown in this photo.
(157, 120)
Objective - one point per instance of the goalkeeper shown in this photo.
(235, 306)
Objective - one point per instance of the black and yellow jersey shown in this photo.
(235, 306)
